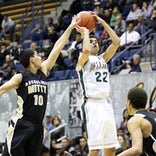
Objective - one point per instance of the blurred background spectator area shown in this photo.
(37, 24)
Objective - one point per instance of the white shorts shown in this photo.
(98, 117)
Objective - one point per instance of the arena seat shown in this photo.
(57, 75)
(26, 44)
(68, 63)
(18, 67)
(73, 74)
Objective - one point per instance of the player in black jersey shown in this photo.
(142, 124)
(25, 132)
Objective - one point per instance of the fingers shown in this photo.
(92, 12)
(81, 29)
(78, 28)
(74, 21)
(96, 17)
(74, 18)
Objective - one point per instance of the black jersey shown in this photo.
(148, 143)
(32, 96)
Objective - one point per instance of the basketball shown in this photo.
(86, 20)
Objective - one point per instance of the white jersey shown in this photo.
(94, 78)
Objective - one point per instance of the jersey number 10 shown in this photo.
(38, 100)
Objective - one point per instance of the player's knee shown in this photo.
(93, 153)
(109, 151)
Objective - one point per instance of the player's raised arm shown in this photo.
(13, 83)
(60, 43)
(86, 49)
(110, 51)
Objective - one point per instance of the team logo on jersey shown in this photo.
(98, 65)
(35, 86)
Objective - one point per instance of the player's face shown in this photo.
(83, 142)
(94, 46)
(37, 60)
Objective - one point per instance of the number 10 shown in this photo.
(38, 100)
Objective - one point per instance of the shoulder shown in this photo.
(83, 64)
(101, 57)
(44, 70)
(135, 32)
(18, 77)
(134, 121)
(16, 80)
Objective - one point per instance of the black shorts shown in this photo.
(24, 138)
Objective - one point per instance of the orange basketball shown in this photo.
(86, 20)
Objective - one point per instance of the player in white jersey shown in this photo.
(94, 72)
(97, 112)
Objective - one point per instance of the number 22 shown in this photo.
(101, 77)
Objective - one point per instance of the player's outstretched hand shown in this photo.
(74, 21)
(97, 18)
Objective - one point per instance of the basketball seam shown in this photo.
(81, 20)
(88, 21)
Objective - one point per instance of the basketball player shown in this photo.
(97, 112)
(25, 132)
(142, 125)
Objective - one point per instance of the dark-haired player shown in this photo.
(98, 114)
(25, 132)
(142, 124)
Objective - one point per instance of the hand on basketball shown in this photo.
(74, 21)
(81, 29)
(97, 18)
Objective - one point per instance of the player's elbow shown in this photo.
(137, 151)
(117, 42)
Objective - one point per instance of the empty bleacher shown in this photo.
(17, 11)
(63, 75)
(24, 11)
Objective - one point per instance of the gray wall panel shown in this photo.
(64, 98)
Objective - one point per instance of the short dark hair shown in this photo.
(138, 97)
(92, 35)
(82, 137)
(25, 56)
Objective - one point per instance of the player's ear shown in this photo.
(129, 106)
(128, 103)
(31, 59)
